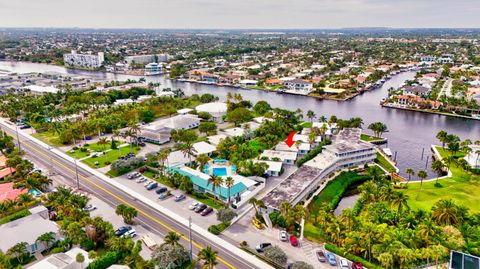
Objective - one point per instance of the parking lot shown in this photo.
(181, 207)
(243, 230)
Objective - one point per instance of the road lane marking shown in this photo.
(127, 203)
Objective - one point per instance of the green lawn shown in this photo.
(369, 138)
(110, 156)
(307, 124)
(92, 147)
(462, 188)
(380, 160)
(49, 137)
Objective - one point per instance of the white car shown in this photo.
(131, 233)
(148, 182)
(89, 207)
(141, 180)
(193, 205)
(344, 263)
(283, 235)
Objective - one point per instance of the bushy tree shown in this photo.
(170, 256)
(225, 215)
(301, 265)
(276, 254)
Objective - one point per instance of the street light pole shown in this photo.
(190, 236)
(18, 138)
(76, 173)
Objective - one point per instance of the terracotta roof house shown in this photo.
(8, 192)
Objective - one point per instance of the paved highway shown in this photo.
(152, 219)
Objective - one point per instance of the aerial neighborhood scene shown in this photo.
(240, 134)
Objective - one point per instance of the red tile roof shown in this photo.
(7, 192)
(6, 172)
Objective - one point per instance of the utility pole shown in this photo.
(18, 138)
(76, 174)
(190, 236)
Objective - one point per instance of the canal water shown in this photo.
(409, 134)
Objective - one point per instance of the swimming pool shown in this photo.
(220, 171)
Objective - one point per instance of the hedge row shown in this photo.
(312, 153)
(18, 215)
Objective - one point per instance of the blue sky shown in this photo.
(239, 13)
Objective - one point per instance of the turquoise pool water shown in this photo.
(220, 171)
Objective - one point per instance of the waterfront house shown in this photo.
(416, 90)
(248, 82)
(198, 75)
(299, 85)
(273, 82)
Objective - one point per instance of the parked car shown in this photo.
(258, 224)
(261, 247)
(122, 230)
(164, 195)
(180, 197)
(344, 263)
(133, 175)
(25, 126)
(200, 208)
(331, 259)
(283, 235)
(149, 242)
(161, 190)
(193, 205)
(141, 180)
(152, 186)
(321, 256)
(357, 265)
(293, 240)
(89, 207)
(206, 211)
(130, 233)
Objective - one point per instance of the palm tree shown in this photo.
(216, 182)
(410, 173)
(254, 202)
(375, 173)
(162, 158)
(438, 167)
(188, 150)
(229, 182)
(442, 136)
(172, 238)
(445, 212)
(311, 115)
(47, 238)
(80, 259)
(19, 251)
(209, 258)
(453, 147)
(400, 202)
(202, 160)
(422, 175)
(103, 142)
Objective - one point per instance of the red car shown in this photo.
(357, 265)
(293, 241)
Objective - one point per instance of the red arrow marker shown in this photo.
(289, 140)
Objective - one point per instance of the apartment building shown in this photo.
(90, 61)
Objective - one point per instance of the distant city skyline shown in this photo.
(245, 14)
